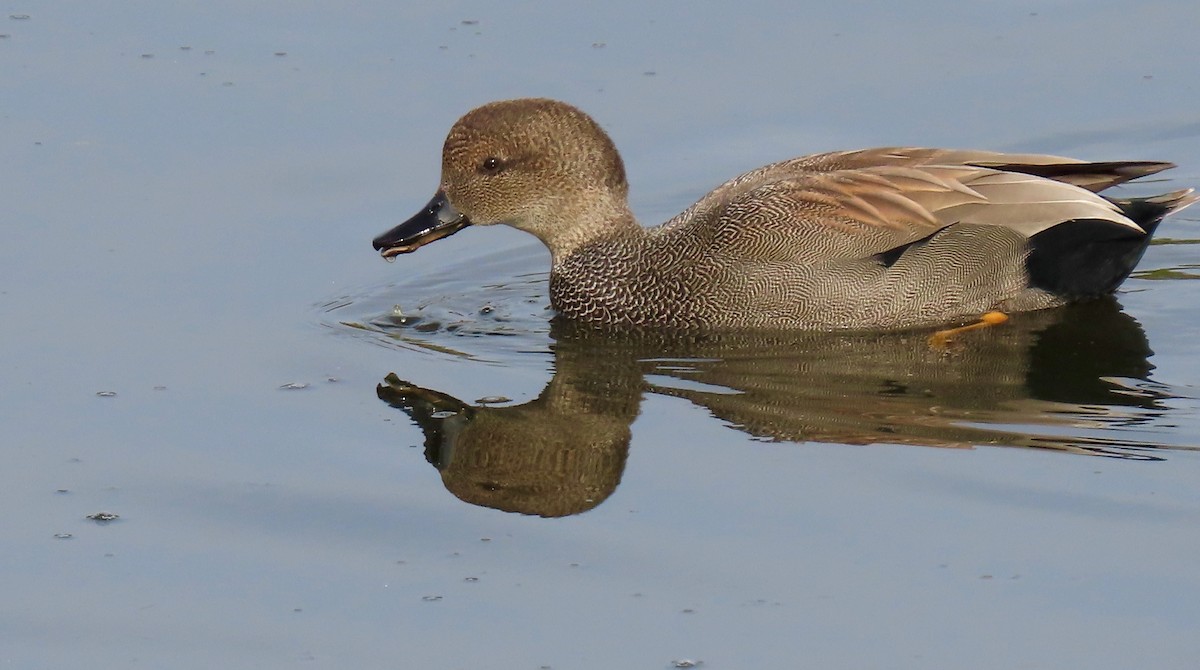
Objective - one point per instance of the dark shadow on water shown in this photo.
(1072, 380)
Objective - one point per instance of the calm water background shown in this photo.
(189, 195)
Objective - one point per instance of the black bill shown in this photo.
(436, 220)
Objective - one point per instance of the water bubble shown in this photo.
(492, 400)
(686, 663)
(431, 599)
(294, 386)
(103, 517)
(106, 394)
(19, 17)
(63, 536)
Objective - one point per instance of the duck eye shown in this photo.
(491, 165)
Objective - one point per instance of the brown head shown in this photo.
(538, 165)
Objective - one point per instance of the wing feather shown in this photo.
(858, 212)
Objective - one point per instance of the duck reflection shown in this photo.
(1054, 380)
(558, 455)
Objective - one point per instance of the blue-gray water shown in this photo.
(190, 191)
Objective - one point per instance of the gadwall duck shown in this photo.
(870, 239)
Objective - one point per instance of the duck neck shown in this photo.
(600, 221)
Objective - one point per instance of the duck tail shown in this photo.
(1088, 257)
(1149, 212)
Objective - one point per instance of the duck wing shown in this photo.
(1093, 176)
(825, 215)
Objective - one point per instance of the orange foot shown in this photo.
(942, 338)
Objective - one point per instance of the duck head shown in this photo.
(538, 165)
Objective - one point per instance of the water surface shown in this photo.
(199, 339)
